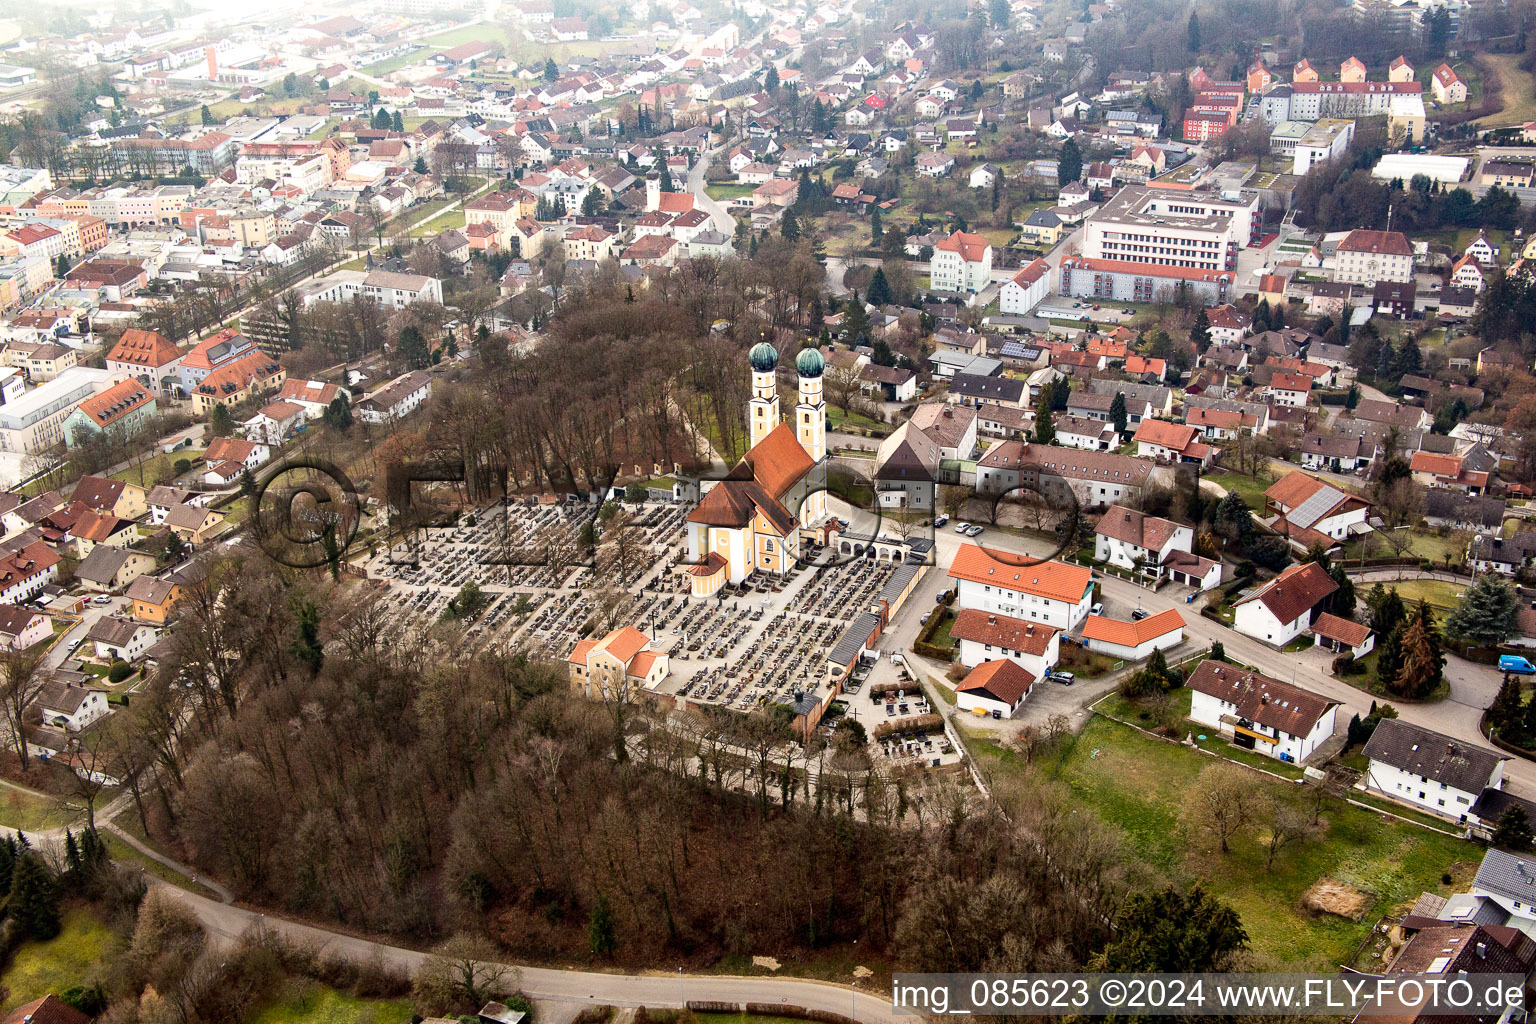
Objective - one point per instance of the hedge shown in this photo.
(916, 724)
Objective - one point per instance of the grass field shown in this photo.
(395, 63)
(312, 1004)
(1519, 94)
(1251, 488)
(159, 466)
(1140, 785)
(40, 968)
(1439, 593)
(31, 813)
(725, 191)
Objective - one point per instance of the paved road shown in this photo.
(565, 990)
(723, 221)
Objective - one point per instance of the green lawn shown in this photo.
(1425, 544)
(157, 467)
(307, 1003)
(839, 420)
(31, 813)
(41, 968)
(395, 63)
(1251, 488)
(1439, 593)
(1140, 785)
(724, 191)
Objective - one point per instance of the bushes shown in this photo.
(1346, 665)
(919, 724)
(119, 671)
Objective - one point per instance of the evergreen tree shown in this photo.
(855, 321)
(1234, 519)
(412, 348)
(1389, 658)
(666, 177)
(397, 123)
(1425, 617)
(1387, 610)
(789, 227)
(1200, 334)
(1487, 614)
(1060, 394)
(1172, 930)
(1342, 601)
(1353, 398)
(71, 854)
(382, 120)
(208, 117)
(61, 267)
(1045, 429)
(876, 229)
(1408, 358)
(420, 166)
(771, 79)
(1506, 715)
(879, 289)
(998, 13)
(1192, 33)
(1513, 832)
(1420, 673)
(601, 937)
(1118, 415)
(1069, 164)
(33, 905)
(551, 71)
(8, 854)
(1526, 730)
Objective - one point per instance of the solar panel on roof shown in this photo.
(1311, 510)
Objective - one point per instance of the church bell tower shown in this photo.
(763, 409)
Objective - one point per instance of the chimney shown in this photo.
(991, 620)
(1482, 950)
(213, 63)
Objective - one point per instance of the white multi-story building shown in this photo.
(1366, 257)
(396, 399)
(984, 636)
(961, 263)
(1323, 141)
(381, 287)
(1165, 227)
(1026, 289)
(1003, 583)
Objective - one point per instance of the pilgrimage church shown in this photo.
(775, 498)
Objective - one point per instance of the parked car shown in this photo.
(1064, 678)
(1128, 311)
(975, 531)
(1139, 614)
(1516, 665)
(102, 599)
(941, 520)
(1097, 609)
(962, 527)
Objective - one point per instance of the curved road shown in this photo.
(567, 991)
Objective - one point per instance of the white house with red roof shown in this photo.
(1258, 713)
(1309, 511)
(1003, 583)
(1282, 609)
(1446, 86)
(616, 664)
(1134, 640)
(1229, 325)
(1024, 290)
(1467, 272)
(986, 636)
(961, 263)
(995, 688)
(1171, 442)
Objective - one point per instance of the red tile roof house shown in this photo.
(995, 688)
(1172, 442)
(1341, 635)
(986, 636)
(1262, 714)
(1134, 641)
(1127, 538)
(1290, 389)
(1312, 512)
(1283, 608)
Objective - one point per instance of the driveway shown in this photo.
(722, 218)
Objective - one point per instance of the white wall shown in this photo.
(990, 598)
